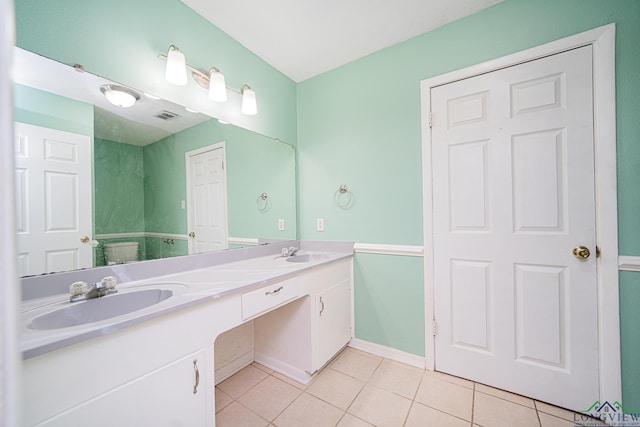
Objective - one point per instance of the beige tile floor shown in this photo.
(360, 389)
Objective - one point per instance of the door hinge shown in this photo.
(223, 164)
(430, 119)
(434, 327)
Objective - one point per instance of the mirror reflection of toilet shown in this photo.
(121, 252)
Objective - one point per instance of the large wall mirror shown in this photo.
(141, 182)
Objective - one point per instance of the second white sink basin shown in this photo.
(97, 309)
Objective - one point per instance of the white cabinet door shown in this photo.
(334, 321)
(171, 396)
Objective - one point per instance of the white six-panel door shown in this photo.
(513, 194)
(53, 200)
(207, 199)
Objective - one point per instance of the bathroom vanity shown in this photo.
(154, 366)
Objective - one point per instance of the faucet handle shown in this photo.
(109, 282)
(78, 288)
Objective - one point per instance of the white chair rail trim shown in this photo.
(374, 248)
(243, 241)
(140, 234)
(629, 263)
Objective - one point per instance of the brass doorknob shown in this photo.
(84, 239)
(581, 252)
(192, 235)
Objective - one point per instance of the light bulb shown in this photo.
(249, 106)
(176, 71)
(217, 86)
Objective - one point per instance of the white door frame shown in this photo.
(188, 155)
(10, 357)
(603, 41)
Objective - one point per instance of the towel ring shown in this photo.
(262, 202)
(343, 202)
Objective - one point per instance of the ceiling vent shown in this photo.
(165, 115)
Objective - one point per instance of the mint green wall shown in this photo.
(255, 164)
(360, 125)
(119, 187)
(630, 338)
(37, 107)
(391, 314)
(121, 40)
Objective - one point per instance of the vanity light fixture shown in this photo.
(176, 71)
(217, 86)
(120, 96)
(213, 81)
(249, 106)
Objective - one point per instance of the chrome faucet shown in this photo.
(99, 289)
(80, 291)
(288, 252)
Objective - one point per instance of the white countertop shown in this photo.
(189, 288)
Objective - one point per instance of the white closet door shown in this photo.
(53, 200)
(513, 185)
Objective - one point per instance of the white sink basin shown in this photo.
(97, 309)
(307, 258)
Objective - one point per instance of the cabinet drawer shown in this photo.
(263, 299)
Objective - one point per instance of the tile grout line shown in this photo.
(537, 413)
(473, 402)
(346, 411)
(413, 400)
(510, 401)
(291, 403)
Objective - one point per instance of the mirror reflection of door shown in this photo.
(53, 200)
(207, 199)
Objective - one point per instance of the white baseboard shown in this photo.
(389, 353)
(224, 372)
(285, 369)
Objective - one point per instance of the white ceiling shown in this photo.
(304, 38)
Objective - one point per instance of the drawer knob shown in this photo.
(275, 291)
